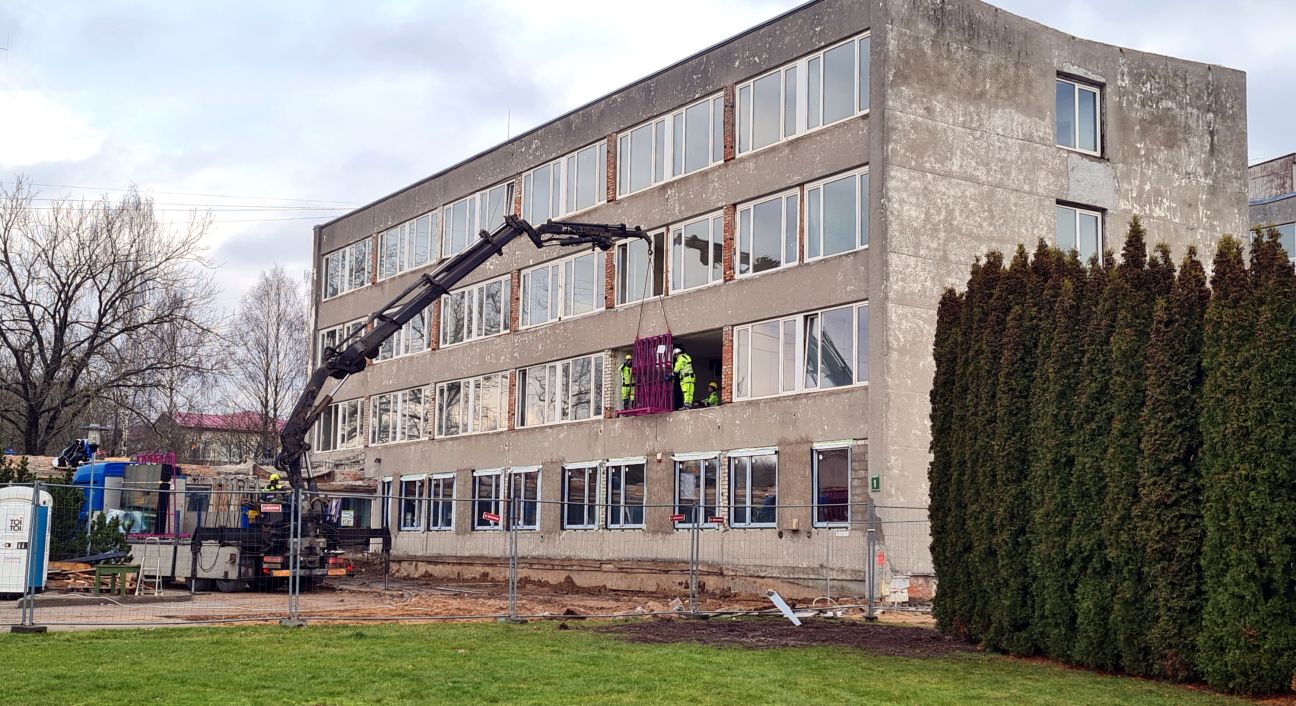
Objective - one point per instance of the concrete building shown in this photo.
(816, 183)
(1272, 188)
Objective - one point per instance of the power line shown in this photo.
(183, 193)
(221, 206)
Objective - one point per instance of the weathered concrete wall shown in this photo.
(1276, 177)
(964, 115)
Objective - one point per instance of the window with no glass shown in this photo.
(1080, 229)
(1079, 120)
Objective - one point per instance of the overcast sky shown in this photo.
(263, 111)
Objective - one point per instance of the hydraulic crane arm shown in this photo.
(340, 363)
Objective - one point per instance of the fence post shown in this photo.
(695, 547)
(870, 583)
(27, 620)
(511, 516)
(294, 562)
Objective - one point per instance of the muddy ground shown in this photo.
(762, 633)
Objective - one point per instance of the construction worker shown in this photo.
(274, 486)
(713, 395)
(683, 372)
(627, 383)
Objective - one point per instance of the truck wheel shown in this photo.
(231, 586)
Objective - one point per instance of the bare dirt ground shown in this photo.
(757, 633)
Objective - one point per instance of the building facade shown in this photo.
(1272, 188)
(812, 186)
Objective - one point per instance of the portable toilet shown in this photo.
(17, 517)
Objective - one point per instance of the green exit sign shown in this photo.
(875, 483)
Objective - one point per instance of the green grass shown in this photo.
(536, 663)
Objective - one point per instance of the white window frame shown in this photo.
(786, 238)
(406, 235)
(385, 498)
(797, 324)
(469, 405)
(347, 256)
(514, 475)
(814, 482)
(662, 146)
(1077, 87)
(330, 336)
(1076, 212)
(474, 296)
(593, 476)
(616, 467)
(554, 405)
(497, 500)
(398, 399)
(558, 269)
(418, 497)
(398, 346)
(476, 220)
(348, 410)
(437, 482)
(563, 178)
(801, 107)
(719, 505)
(658, 249)
(715, 237)
(861, 212)
(746, 455)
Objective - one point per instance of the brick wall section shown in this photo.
(609, 279)
(364, 422)
(859, 479)
(730, 223)
(611, 384)
(515, 300)
(730, 124)
(434, 327)
(517, 197)
(726, 365)
(373, 259)
(512, 400)
(429, 412)
(611, 167)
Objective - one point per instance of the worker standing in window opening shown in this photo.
(713, 395)
(274, 485)
(683, 372)
(627, 383)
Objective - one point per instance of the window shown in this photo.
(767, 234)
(682, 142)
(475, 312)
(580, 504)
(406, 246)
(640, 273)
(471, 406)
(753, 488)
(697, 253)
(695, 488)
(488, 494)
(625, 493)
(562, 289)
(1287, 237)
(441, 490)
(385, 493)
(831, 470)
(331, 337)
(813, 91)
(1078, 122)
(524, 497)
(574, 183)
(1080, 230)
(346, 269)
(411, 502)
(411, 338)
(396, 416)
(565, 391)
(483, 210)
(813, 351)
(338, 426)
(837, 217)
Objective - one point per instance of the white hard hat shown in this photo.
(677, 350)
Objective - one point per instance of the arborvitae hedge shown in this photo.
(1113, 477)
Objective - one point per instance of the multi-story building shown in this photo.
(812, 186)
(1272, 188)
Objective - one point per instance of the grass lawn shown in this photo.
(535, 663)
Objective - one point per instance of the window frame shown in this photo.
(333, 413)
(514, 474)
(619, 467)
(814, 483)
(733, 504)
(1078, 85)
(749, 207)
(592, 470)
(476, 204)
(347, 256)
(662, 144)
(338, 332)
(800, 341)
(554, 402)
(474, 296)
(420, 490)
(398, 412)
(437, 481)
(678, 508)
(714, 239)
(559, 270)
(1076, 211)
(496, 501)
(470, 405)
(862, 220)
(400, 340)
(566, 183)
(406, 234)
(1287, 231)
(658, 250)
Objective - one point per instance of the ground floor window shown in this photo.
(695, 488)
(488, 491)
(441, 501)
(385, 499)
(353, 512)
(831, 468)
(753, 488)
(625, 494)
(580, 486)
(524, 495)
(411, 502)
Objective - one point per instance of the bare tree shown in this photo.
(268, 341)
(91, 296)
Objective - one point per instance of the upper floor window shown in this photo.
(679, 143)
(396, 416)
(338, 426)
(472, 405)
(767, 233)
(411, 338)
(483, 210)
(574, 183)
(1287, 237)
(816, 90)
(697, 252)
(1079, 124)
(813, 351)
(563, 288)
(408, 245)
(566, 391)
(346, 269)
(837, 216)
(1080, 230)
(475, 312)
(640, 270)
(333, 336)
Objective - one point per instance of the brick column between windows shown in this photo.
(434, 326)
(515, 300)
(730, 215)
(512, 400)
(517, 197)
(373, 259)
(609, 279)
(429, 405)
(726, 365)
(363, 431)
(730, 126)
(611, 384)
(611, 167)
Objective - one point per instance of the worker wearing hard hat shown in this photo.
(274, 485)
(627, 383)
(683, 371)
(713, 395)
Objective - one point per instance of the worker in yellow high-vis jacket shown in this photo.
(627, 383)
(683, 371)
